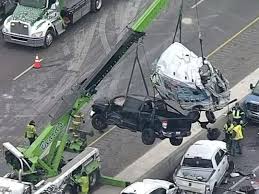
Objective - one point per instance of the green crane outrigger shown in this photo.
(46, 153)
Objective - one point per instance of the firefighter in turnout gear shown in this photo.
(84, 184)
(30, 132)
(237, 113)
(237, 136)
(228, 129)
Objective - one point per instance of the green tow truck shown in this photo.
(46, 166)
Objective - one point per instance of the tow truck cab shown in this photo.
(36, 22)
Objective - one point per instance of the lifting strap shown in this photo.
(136, 60)
(179, 24)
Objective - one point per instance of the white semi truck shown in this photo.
(36, 23)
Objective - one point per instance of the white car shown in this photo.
(203, 167)
(151, 186)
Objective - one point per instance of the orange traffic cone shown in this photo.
(37, 62)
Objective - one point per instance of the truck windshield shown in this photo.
(256, 90)
(197, 162)
(40, 4)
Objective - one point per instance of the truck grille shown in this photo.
(253, 107)
(19, 28)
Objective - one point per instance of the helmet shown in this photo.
(32, 122)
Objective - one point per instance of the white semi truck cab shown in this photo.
(35, 23)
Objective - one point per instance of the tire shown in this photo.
(148, 136)
(176, 141)
(96, 5)
(99, 122)
(210, 116)
(49, 38)
(194, 116)
(69, 189)
(93, 178)
(213, 134)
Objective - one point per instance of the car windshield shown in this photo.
(197, 162)
(40, 4)
(256, 90)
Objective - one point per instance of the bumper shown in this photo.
(23, 40)
(176, 133)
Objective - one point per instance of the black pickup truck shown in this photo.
(148, 115)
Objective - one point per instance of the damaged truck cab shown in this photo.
(35, 23)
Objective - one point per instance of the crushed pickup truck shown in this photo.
(195, 84)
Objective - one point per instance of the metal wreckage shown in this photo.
(182, 76)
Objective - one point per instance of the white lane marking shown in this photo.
(28, 69)
(241, 180)
(102, 33)
(196, 4)
(7, 96)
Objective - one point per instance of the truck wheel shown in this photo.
(210, 116)
(148, 136)
(49, 37)
(93, 178)
(69, 189)
(99, 122)
(96, 5)
(213, 134)
(194, 116)
(176, 141)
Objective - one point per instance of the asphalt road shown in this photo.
(81, 48)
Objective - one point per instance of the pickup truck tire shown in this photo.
(176, 141)
(96, 5)
(93, 178)
(194, 115)
(148, 136)
(210, 116)
(49, 38)
(69, 189)
(99, 122)
(213, 134)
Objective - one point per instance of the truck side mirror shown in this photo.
(251, 86)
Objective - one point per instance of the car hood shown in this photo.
(27, 14)
(251, 98)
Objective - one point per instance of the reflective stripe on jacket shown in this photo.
(237, 113)
(228, 129)
(239, 133)
(30, 131)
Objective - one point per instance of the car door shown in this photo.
(220, 160)
(158, 191)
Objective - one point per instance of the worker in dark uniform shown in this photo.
(30, 132)
(228, 129)
(84, 184)
(237, 113)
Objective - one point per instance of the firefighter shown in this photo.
(30, 132)
(84, 184)
(228, 128)
(237, 136)
(78, 119)
(237, 113)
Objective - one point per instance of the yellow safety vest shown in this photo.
(228, 129)
(30, 131)
(84, 184)
(236, 113)
(239, 133)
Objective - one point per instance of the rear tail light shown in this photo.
(164, 124)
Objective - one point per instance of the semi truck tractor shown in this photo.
(36, 23)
